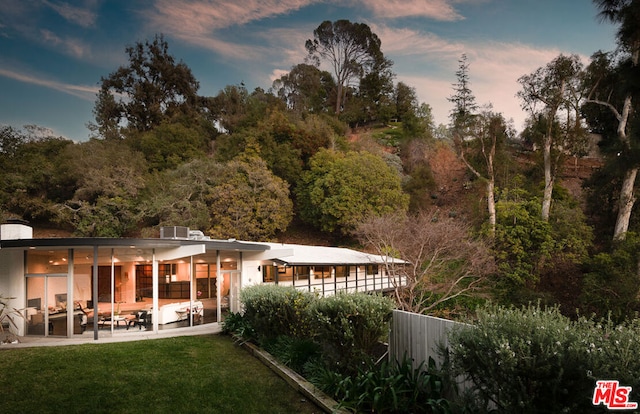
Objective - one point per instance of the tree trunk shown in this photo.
(491, 206)
(548, 179)
(339, 98)
(625, 204)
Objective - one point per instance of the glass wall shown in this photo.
(48, 308)
(120, 300)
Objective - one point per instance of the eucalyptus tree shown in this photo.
(488, 135)
(612, 79)
(476, 135)
(352, 51)
(552, 94)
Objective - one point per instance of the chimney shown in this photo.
(15, 229)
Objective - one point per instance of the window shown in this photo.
(322, 272)
(372, 269)
(302, 272)
(342, 271)
(269, 273)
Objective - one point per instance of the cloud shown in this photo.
(70, 46)
(87, 93)
(84, 17)
(428, 63)
(408, 42)
(494, 69)
(441, 10)
(203, 17)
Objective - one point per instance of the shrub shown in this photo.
(387, 388)
(274, 310)
(537, 360)
(612, 283)
(350, 326)
(237, 324)
(295, 353)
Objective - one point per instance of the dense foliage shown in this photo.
(340, 190)
(333, 341)
(536, 360)
(321, 153)
(347, 327)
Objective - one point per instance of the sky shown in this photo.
(53, 53)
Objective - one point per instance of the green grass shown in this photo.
(196, 374)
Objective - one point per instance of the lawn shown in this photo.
(190, 374)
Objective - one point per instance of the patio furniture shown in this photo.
(140, 320)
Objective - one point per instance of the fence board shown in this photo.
(418, 337)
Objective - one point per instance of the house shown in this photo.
(94, 286)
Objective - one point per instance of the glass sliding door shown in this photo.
(36, 314)
(47, 305)
(47, 296)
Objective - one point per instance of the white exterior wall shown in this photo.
(12, 282)
(250, 273)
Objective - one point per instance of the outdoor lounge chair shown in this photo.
(140, 320)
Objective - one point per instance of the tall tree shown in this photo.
(613, 86)
(464, 102)
(554, 87)
(490, 132)
(351, 49)
(151, 89)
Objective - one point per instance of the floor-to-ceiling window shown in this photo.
(49, 303)
(106, 289)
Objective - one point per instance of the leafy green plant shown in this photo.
(293, 352)
(8, 314)
(350, 326)
(274, 310)
(236, 324)
(536, 360)
(612, 284)
(389, 388)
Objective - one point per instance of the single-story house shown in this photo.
(84, 286)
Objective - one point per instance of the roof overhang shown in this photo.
(161, 244)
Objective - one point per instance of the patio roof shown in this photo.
(304, 255)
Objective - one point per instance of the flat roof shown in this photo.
(305, 255)
(124, 242)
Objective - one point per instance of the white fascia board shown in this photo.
(180, 252)
(269, 254)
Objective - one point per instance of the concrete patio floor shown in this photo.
(105, 336)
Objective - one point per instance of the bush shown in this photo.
(237, 324)
(612, 284)
(536, 360)
(350, 326)
(274, 310)
(295, 353)
(386, 388)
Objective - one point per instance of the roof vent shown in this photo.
(174, 232)
(197, 235)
